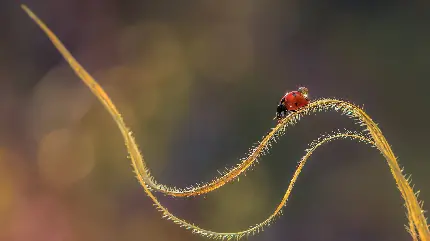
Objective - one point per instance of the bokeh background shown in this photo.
(198, 83)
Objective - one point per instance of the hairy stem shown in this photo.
(417, 221)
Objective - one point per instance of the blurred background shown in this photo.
(198, 83)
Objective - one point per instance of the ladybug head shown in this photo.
(304, 91)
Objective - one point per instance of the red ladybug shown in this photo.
(292, 101)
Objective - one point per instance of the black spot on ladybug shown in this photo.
(294, 94)
(296, 104)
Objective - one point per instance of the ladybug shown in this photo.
(291, 102)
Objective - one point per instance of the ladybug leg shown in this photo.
(281, 111)
(287, 112)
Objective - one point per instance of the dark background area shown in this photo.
(198, 83)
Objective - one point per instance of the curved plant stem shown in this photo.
(372, 135)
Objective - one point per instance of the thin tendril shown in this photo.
(371, 134)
